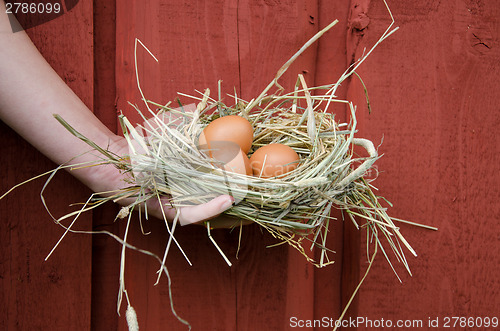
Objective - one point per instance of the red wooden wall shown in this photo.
(432, 87)
(432, 90)
(38, 295)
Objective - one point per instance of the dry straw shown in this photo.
(295, 208)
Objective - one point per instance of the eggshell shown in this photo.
(232, 128)
(228, 156)
(239, 164)
(277, 160)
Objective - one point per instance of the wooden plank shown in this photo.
(105, 250)
(193, 52)
(352, 253)
(130, 25)
(433, 102)
(270, 32)
(276, 284)
(199, 47)
(34, 294)
(203, 294)
(331, 62)
(104, 44)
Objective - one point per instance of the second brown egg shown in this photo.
(273, 160)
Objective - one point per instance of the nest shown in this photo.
(166, 161)
(292, 207)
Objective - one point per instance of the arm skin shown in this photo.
(31, 92)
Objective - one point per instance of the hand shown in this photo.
(106, 178)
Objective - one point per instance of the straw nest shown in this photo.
(293, 207)
(166, 161)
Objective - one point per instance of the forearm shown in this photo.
(31, 92)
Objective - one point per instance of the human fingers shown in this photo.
(205, 211)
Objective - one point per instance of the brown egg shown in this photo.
(276, 159)
(239, 164)
(228, 156)
(228, 128)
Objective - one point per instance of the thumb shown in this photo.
(199, 213)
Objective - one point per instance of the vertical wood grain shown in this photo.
(199, 47)
(105, 250)
(270, 32)
(54, 294)
(432, 89)
(331, 62)
(193, 53)
(136, 21)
